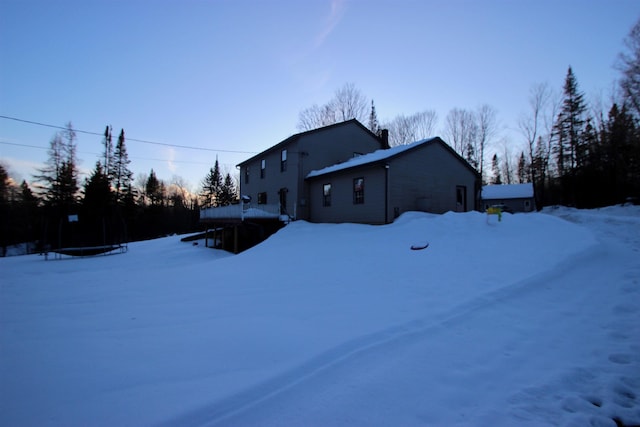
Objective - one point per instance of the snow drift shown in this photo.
(530, 320)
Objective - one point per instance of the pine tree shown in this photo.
(495, 168)
(471, 156)
(227, 192)
(569, 142)
(211, 186)
(522, 169)
(97, 193)
(59, 178)
(620, 154)
(154, 189)
(108, 150)
(120, 174)
(373, 119)
(569, 125)
(539, 169)
(4, 184)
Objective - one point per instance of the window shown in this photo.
(326, 195)
(358, 191)
(246, 175)
(263, 168)
(262, 198)
(283, 161)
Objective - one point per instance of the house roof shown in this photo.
(297, 136)
(510, 191)
(384, 154)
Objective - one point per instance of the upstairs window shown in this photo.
(263, 168)
(262, 198)
(283, 161)
(246, 175)
(326, 195)
(358, 191)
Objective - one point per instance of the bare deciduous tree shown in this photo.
(461, 131)
(315, 117)
(629, 65)
(347, 103)
(407, 129)
(487, 128)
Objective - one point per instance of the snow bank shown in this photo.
(171, 332)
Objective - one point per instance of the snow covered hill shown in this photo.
(534, 320)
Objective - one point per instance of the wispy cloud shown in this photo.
(170, 160)
(335, 16)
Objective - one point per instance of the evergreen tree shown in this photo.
(59, 178)
(97, 191)
(4, 184)
(27, 195)
(120, 174)
(495, 168)
(212, 186)
(471, 156)
(5, 222)
(227, 193)
(522, 169)
(108, 150)
(620, 155)
(373, 119)
(154, 189)
(569, 147)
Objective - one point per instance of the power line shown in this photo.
(22, 145)
(188, 147)
(99, 154)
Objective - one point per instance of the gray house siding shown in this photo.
(273, 179)
(526, 204)
(426, 178)
(343, 208)
(305, 152)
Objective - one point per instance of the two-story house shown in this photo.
(343, 173)
(277, 175)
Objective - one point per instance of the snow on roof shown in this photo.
(368, 158)
(510, 191)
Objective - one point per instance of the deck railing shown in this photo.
(241, 211)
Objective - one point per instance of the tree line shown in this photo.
(108, 208)
(574, 153)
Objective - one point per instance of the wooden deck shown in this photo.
(239, 213)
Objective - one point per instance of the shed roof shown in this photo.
(385, 154)
(507, 191)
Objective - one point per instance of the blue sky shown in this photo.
(234, 75)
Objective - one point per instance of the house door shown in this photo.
(461, 198)
(283, 201)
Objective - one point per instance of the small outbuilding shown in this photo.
(510, 197)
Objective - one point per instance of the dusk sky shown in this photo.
(233, 75)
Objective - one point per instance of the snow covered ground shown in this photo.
(531, 321)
